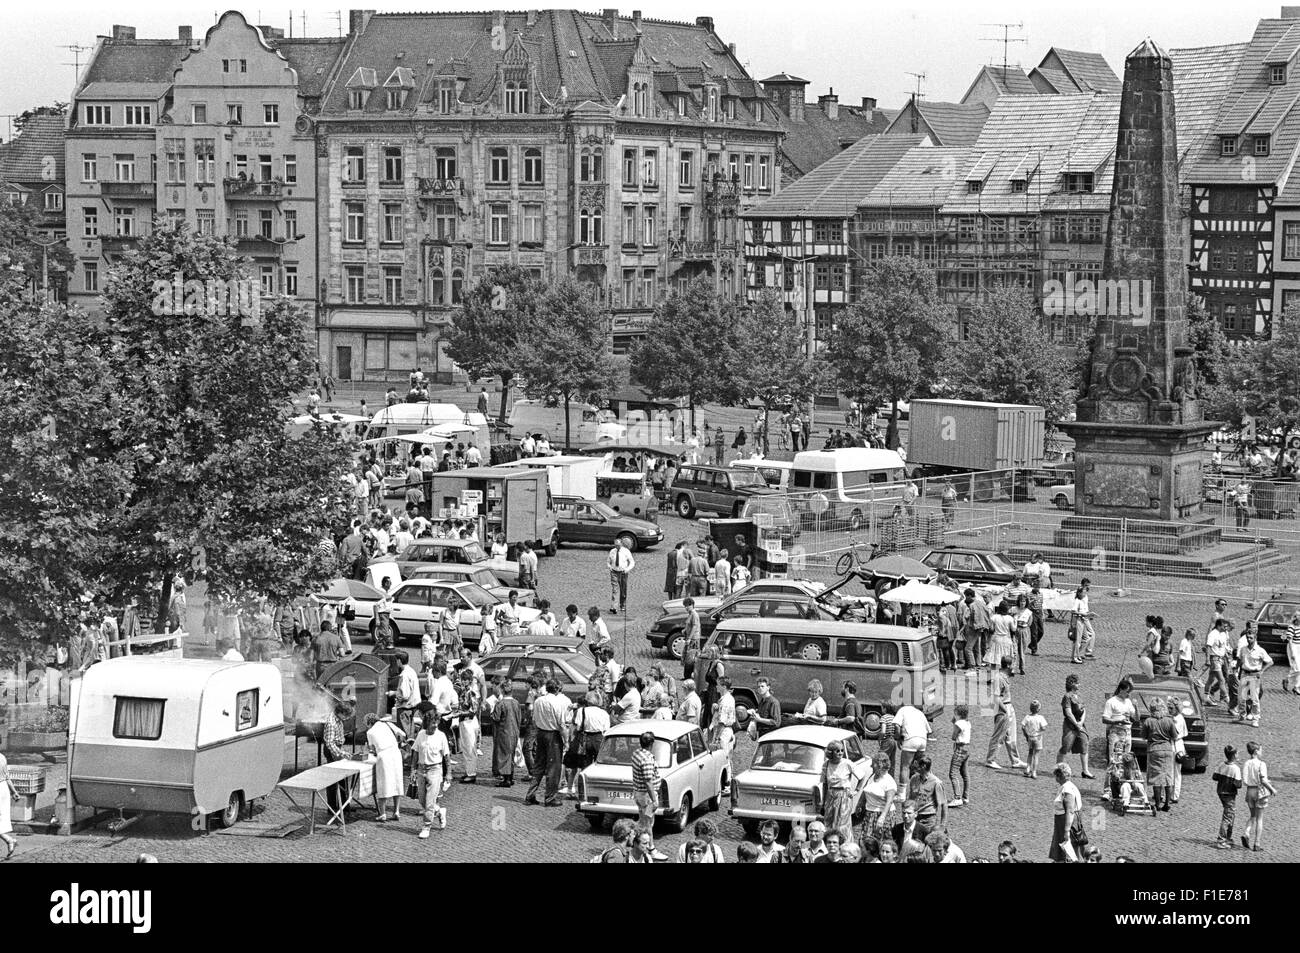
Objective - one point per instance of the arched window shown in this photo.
(516, 97)
(457, 282)
(533, 166)
(597, 226)
(436, 284)
(508, 101)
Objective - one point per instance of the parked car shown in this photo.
(690, 773)
(479, 575)
(783, 782)
(669, 630)
(590, 521)
(465, 552)
(1273, 617)
(972, 565)
(517, 663)
(1062, 496)
(418, 601)
(1188, 693)
(719, 490)
(772, 584)
(1056, 464)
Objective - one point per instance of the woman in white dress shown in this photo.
(385, 739)
(8, 794)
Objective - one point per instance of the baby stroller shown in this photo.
(1128, 786)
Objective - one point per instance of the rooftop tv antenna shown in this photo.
(1006, 39)
(77, 50)
(338, 20)
(920, 80)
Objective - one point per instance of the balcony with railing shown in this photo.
(127, 190)
(723, 191)
(432, 188)
(260, 245)
(118, 244)
(588, 254)
(263, 189)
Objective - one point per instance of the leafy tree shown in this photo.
(1209, 343)
(220, 484)
(57, 394)
(684, 353)
(494, 318)
(565, 352)
(1260, 384)
(889, 346)
(769, 354)
(37, 257)
(1009, 357)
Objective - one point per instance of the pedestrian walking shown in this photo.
(385, 740)
(406, 697)
(1292, 681)
(722, 574)
(948, 503)
(926, 791)
(528, 567)
(505, 733)
(1037, 623)
(433, 769)
(1216, 658)
(1227, 778)
(1002, 646)
(1004, 719)
(698, 569)
(1074, 733)
(588, 723)
(840, 785)
(645, 787)
(549, 712)
(1033, 726)
(1081, 633)
(1241, 502)
(1119, 715)
(1023, 617)
(1160, 732)
(914, 731)
(620, 564)
(1259, 789)
(878, 794)
(1180, 742)
(957, 765)
(795, 425)
(1066, 818)
(1253, 660)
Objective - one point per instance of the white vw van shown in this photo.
(845, 484)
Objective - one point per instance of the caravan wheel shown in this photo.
(234, 808)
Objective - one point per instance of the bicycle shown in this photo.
(852, 561)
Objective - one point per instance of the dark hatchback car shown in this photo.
(669, 630)
(972, 565)
(590, 521)
(1273, 618)
(1188, 693)
(517, 663)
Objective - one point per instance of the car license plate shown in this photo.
(620, 795)
(775, 802)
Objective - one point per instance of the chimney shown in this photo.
(830, 104)
(185, 34)
(732, 48)
(123, 32)
(532, 18)
(357, 20)
(868, 103)
(705, 22)
(610, 16)
(1291, 13)
(636, 20)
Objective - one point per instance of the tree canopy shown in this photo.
(889, 346)
(769, 355)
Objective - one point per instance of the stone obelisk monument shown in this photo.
(1139, 435)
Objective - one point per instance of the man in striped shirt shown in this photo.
(645, 784)
(1292, 681)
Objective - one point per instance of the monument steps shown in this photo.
(1212, 564)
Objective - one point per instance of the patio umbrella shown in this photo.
(914, 593)
(341, 589)
(898, 567)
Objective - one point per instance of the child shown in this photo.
(1185, 650)
(429, 645)
(1228, 779)
(1033, 726)
(1122, 775)
(960, 756)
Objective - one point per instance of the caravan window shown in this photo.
(810, 480)
(246, 709)
(139, 719)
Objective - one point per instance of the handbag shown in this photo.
(1078, 835)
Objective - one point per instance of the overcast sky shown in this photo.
(859, 49)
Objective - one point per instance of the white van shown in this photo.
(587, 424)
(413, 418)
(845, 483)
(775, 473)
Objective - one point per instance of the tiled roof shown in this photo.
(24, 157)
(124, 90)
(953, 124)
(581, 54)
(783, 78)
(1202, 77)
(1248, 102)
(1089, 71)
(817, 137)
(1053, 81)
(923, 176)
(312, 59)
(1052, 133)
(837, 186)
(1008, 80)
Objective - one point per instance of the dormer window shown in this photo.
(1078, 182)
(395, 98)
(1227, 145)
(713, 104)
(516, 98)
(356, 98)
(974, 186)
(639, 99)
(447, 96)
(1277, 75)
(1262, 145)
(1018, 185)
